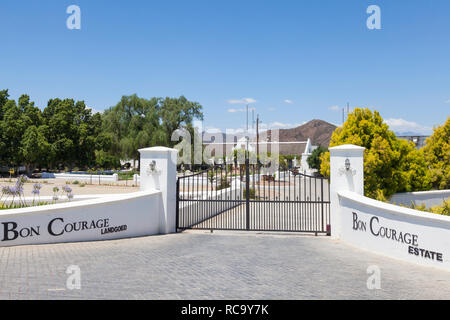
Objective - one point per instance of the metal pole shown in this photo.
(257, 137)
(247, 194)
(177, 206)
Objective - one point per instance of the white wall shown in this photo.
(135, 214)
(429, 198)
(420, 237)
(148, 212)
(91, 178)
(163, 178)
(342, 179)
(383, 228)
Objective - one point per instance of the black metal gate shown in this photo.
(251, 197)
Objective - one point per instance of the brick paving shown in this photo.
(223, 265)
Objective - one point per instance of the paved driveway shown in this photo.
(213, 266)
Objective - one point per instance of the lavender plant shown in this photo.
(15, 194)
(36, 192)
(68, 191)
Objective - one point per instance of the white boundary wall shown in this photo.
(428, 198)
(148, 212)
(395, 231)
(111, 217)
(91, 178)
(387, 229)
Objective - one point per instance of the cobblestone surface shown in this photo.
(200, 265)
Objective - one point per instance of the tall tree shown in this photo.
(390, 165)
(136, 123)
(34, 148)
(437, 154)
(179, 113)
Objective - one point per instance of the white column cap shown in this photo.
(157, 149)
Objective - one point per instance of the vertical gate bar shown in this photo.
(199, 213)
(184, 210)
(305, 216)
(321, 198)
(255, 218)
(289, 215)
(310, 199)
(207, 193)
(177, 206)
(242, 207)
(215, 202)
(226, 203)
(188, 199)
(315, 205)
(266, 218)
(236, 203)
(278, 204)
(224, 217)
(247, 186)
(294, 213)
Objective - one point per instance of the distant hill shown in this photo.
(318, 131)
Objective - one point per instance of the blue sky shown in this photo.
(294, 60)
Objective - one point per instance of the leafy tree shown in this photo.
(106, 161)
(136, 123)
(73, 132)
(34, 148)
(390, 165)
(66, 133)
(12, 127)
(132, 124)
(178, 113)
(314, 160)
(437, 155)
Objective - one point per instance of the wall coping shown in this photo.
(346, 147)
(157, 149)
(393, 209)
(418, 193)
(78, 204)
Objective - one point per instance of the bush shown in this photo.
(104, 160)
(126, 175)
(391, 165)
(314, 159)
(443, 209)
(437, 155)
(223, 184)
(252, 194)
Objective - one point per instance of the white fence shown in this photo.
(428, 198)
(91, 178)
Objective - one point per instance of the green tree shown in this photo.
(178, 113)
(73, 132)
(34, 148)
(390, 165)
(12, 127)
(106, 161)
(314, 160)
(135, 123)
(437, 155)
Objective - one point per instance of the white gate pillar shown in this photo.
(159, 171)
(346, 173)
